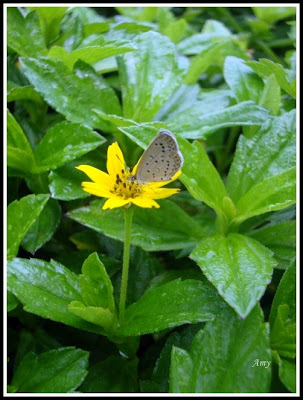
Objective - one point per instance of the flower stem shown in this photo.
(128, 213)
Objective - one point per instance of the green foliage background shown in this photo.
(211, 292)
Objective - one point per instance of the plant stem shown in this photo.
(270, 54)
(281, 43)
(226, 13)
(128, 214)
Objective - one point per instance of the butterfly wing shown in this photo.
(161, 160)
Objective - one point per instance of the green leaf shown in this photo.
(173, 304)
(283, 333)
(281, 239)
(50, 19)
(152, 229)
(65, 182)
(148, 76)
(270, 152)
(24, 34)
(95, 28)
(201, 62)
(12, 301)
(274, 193)
(286, 294)
(193, 123)
(74, 259)
(96, 286)
(175, 30)
(159, 381)
(238, 266)
(43, 228)
(21, 214)
(271, 96)
(63, 143)
(113, 375)
(19, 152)
(282, 316)
(200, 176)
(90, 54)
(96, 315)
(139, 13)
(287, 374)
(46, 289)
(264, 68)
(245, 84)
(60, 87)
(56, 371)
(24, 93)
(274, 14)
(226, 349)
(216, 27)
(183, 98)
(127, 29)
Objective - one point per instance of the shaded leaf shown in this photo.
(287, 374)
(281, 239)
(56, 371)
(283, 333)
(286, 294)
(12, 301)
(159, 381)
(223, 351)
(113, 375)
(65, 182)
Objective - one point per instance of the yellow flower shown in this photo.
(118, 188)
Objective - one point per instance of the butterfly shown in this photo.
(160, 161)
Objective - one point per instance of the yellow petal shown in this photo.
(156, 193)
(144, 202)
(96, 189)
(96, 175)
(134, 170)
(115, 202)
(115, 161)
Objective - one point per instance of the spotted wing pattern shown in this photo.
(161, 160)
